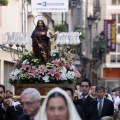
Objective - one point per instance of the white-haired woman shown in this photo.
(58, 106)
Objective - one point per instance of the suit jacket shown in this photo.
(23, 117)
(10, 113)
(88, 106)
(107, 110)
(80, 111)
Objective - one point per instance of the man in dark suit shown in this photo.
(85, 101)
(79, 109)
(30, 101)
(104, 107)
(7, 110)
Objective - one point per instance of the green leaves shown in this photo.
(3, 2)
(60, 28)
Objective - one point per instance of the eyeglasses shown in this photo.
(27, 103)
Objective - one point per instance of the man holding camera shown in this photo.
(7, 110)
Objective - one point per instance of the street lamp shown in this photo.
(89, 46)
(19, 41)
(90, 20)
(102, 35)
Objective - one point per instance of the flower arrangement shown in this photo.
(59, 69)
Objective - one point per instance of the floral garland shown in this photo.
(59, 69)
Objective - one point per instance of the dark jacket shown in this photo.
(23, 117)
(80, 111)
(10, 113)
(107, 110)
(88, 106)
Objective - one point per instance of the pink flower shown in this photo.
(77, 74)
(24, 67)
(67, 66)
(33, 72)
(71, 67)
(60, 64)
(66, 54)
(42, 69)
(52, 72)
(55, 62)
(57, 75)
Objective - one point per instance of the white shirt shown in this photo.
(37, 117)
(116, 102)
(102, 101)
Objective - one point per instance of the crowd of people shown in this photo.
(86, 102)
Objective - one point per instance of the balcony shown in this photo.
(96, 9)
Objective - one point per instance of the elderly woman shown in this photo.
(41, 42)
(58, 106)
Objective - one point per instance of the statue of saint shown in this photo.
(41, 42)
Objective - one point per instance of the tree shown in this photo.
(3, 2)
(60, 28)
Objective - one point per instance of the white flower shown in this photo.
(25, 62)
(63, 59)
(63, 76)
(70, 75)
(53, 52)
(14, 74)
(63, 70)
(46, 78)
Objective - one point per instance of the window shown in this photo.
(118, 48)
(115, 2)
(8, 67)
(78, 17)
(113, 58)
(117, 18)
(114, 16)
(118, 59)
(118, 29)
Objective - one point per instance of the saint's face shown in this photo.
(40, 24)
(57, 109)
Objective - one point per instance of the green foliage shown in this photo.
(60, 28)
(4, 2)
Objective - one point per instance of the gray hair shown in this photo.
(100, 87)
(107, 118)
(34, 92)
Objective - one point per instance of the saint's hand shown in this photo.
(40, 46)
(42, 33)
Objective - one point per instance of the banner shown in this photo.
(110, 34)
(49, 5)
